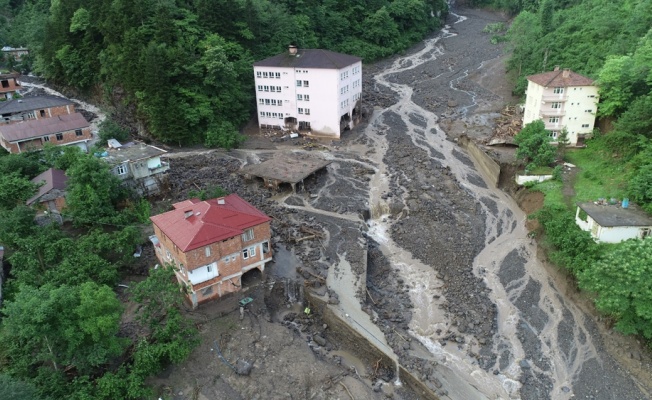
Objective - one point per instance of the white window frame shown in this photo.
(299, 81)
(259, 74)
(553, 120)
(558, 90)
(556, 105)
(307, 111)
(207, 251)
(299, 97)
(121, 169)
(300, 110)
(306, 84)
(306, 97)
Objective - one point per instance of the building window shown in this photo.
(261, 101)
(46, 138)
(260, 88)
(299, 83)
(267, 102)
(209, 268)
(252, 251)
(304, 124)
(207, 291)
(168, 255)
(589, 111)
(59, 136)
(227, 259)
(266, 88)
(258, 74)
(265, 247)
(181, 268)
(265, 75)
(553, 120)
(245, 253)
(277, 75)
(553, 134)
(262, 113)
(208, 251)
(300, 110)
(78, 132)
(305, 84)
(585, 125)
(558, 90)
(556, 105)
(307, 111)
(300, 97)
(306, 97)
(42, 112)
(121, 169)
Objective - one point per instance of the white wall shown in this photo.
(202, 274)
(578, 107)
(324, 91)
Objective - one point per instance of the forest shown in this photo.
(184, 68)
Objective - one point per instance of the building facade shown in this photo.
(137, 164)
(51, 195)
(311, 90)
(562, 98)
(38, 107)
(9, 85)
(211, 244)
(609, 223)
(62, 130)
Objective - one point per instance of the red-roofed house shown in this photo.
(562, 98)
(212, 243)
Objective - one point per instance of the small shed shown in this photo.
(613, 223)
(51, 194)
(290, 168)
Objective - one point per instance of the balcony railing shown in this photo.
(554, 98)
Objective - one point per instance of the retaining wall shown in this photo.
(489, 168)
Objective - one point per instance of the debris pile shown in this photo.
(507, 126)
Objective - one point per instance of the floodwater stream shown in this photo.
(541, 335)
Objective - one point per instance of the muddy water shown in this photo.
(545, 346)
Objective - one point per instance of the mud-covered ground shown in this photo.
(452, 280)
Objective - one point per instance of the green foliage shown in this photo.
(562, 144)
(574, 248)
(557, 173)
(640, 186)
(621, 280)
(494, 27)
(534, 145)
(14, 389)
(109, 129)
(60, 327)
(15, 190)
(209, 193)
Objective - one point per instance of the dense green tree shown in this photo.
(62, 327)
(534, 145)
(15, 190)
(621, 281)
(14, 389)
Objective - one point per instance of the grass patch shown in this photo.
(600, 175)
(552, 190)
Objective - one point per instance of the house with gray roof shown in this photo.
(62, 130)
(137, 164)
(313, 91)
(613, 223)
(51, 194)
(36, 107)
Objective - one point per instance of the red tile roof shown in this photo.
(40, 127)
(208, 222)
(561, 78)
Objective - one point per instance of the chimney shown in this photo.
(221, 201)
(292, 50)
(187, 213)
(556, 68)
(566, 73)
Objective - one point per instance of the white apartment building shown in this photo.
(562, 98)
(312, 90)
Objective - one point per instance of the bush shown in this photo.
(109, 129)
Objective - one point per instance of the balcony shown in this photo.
(551, 112)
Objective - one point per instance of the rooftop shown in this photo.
(561, 78)
(309, 58)
(26, 130)
(32, 103)
(286, 167)
(51, 179)
(194, 223)
(132, 151)
(614, 215)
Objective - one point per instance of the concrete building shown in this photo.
(9, 85)
(137, 164)
(613, 223)
(211, 244)
(16, 52)
(562, 98)
(62, 130)
(314, 91)
(37, 107)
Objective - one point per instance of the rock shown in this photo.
(524, 364)
(320, 340)
(243, 367)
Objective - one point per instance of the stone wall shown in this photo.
(488, 167)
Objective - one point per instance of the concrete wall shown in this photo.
(353, 342)
(489, 167)
(523, 179)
